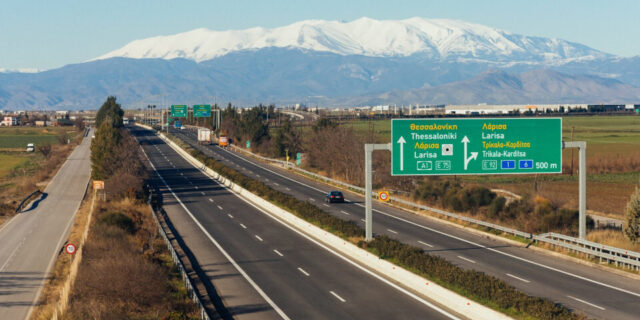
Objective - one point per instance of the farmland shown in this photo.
(19, 137)
(613, 160)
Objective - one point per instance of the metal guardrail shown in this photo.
(176, 260)
(619, 257)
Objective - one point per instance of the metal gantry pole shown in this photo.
(582, 181)
(368, 178)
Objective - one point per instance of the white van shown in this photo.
(30, 147)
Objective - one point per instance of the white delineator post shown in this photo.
(582, 178)
(368, 151)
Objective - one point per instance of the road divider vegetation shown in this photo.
(475, 285)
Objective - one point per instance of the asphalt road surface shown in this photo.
(294, 276)
(30, 242)
(594, 292)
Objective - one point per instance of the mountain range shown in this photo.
(364, 61)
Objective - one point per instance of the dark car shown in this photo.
(334, 196)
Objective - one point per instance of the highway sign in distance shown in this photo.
(202, 111)
(476, 146)
(179, 111)
(383, 196)
(70, 248)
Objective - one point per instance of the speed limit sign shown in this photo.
(383, 196)
(70, 248)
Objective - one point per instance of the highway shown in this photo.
(588, 290)
(284, 273)
(32, 239)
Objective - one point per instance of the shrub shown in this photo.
(632, 217)
(119, 220)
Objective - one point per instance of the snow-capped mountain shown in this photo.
(436, 39)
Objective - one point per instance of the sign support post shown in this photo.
(582, 189)
(368, 151)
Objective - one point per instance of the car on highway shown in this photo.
(334, 196)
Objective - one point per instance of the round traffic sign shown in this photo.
(383, 195)
(70, 248)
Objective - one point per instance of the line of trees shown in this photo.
(114, 154)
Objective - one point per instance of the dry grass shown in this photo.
(613, 238)
(126, 271)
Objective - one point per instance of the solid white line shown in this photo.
(587, 303)
(426, 244)
(278, 252)
(243, 226)
(219, 207)
(363, 269)
(509, 255)
(258, 237)
(521, 279)
(230, 216)
(460, 239)
(304, 272)
(337, 296)
(233, 262)
(347, 213)
(463, 258)
(395, 232)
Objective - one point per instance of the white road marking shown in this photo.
(197, 188)
(515, 277)
(304, 272)
(230, 216)
(312, 199)
(587, 303)
(363, 220)
(258, 237)
(467, 259)
(182, 174)
(426, 244)
(337, 296)
(202, 193)
(275, 183)
(243, 226)
(278, 253)
(326, 205)
(219, 207)
(347, 213)
(233, 262)
(392, 231)
(288, 189)
(210, 200)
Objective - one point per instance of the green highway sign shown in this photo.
(202, 111)
(248, 144)
(476, 146)
(178, 111)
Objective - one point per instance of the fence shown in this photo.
(612, 255)
(176, 260)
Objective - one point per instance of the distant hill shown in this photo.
(334, 63)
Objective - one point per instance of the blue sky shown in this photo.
(49, 34)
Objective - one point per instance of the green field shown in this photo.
(13, 160)
(613, 154)
(19, 137)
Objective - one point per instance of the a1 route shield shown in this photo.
(476, 146)
(202, 111)
(179, 111)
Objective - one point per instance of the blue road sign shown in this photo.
(508, 164)
(525, 164)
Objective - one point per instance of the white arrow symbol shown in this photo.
(401, 141)
(474, 155)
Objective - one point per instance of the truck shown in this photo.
(223, 140)
(204, 136)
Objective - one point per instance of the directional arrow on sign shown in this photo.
(401, 141)
(474, 155)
